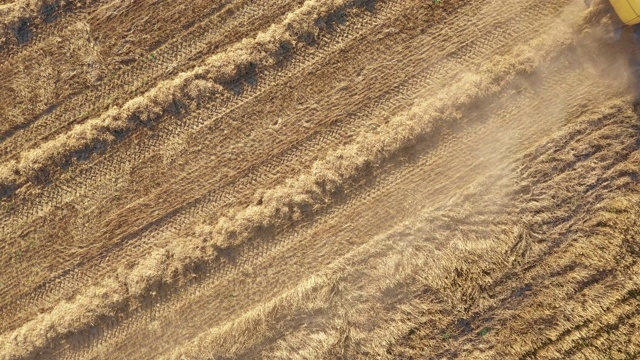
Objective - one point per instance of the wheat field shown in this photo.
(318, 179)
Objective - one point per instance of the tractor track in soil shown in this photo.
(356, 170)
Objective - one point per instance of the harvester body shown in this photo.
(627, 10)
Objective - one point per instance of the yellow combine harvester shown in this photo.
(629, 13)
(627, 10)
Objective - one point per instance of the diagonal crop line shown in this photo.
(283, 203)
(166, 96)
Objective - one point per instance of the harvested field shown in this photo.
(318, 179)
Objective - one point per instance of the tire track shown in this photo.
(436, 66)
(264, 266)
(162, 99)
(175, 56)
(145, 108)
(287, 219)
(311, 249)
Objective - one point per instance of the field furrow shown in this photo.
(317, 179)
